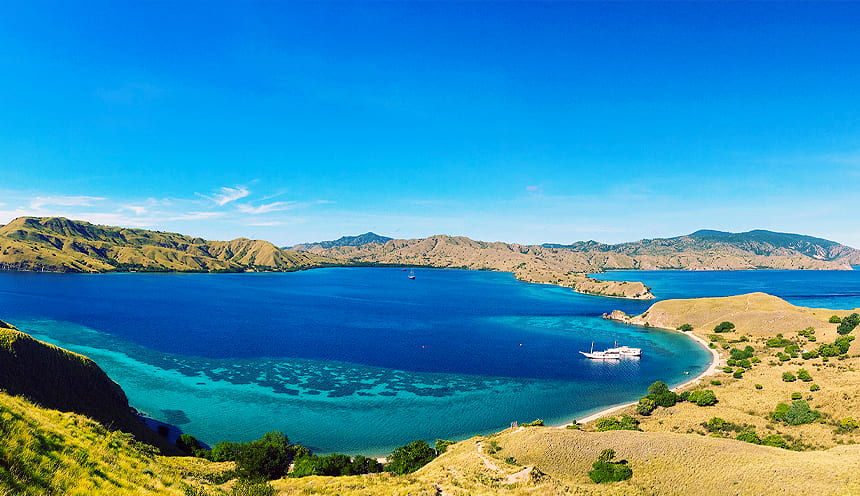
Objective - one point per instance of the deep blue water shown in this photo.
(364, 359)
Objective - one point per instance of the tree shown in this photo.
(267, 458)
(189, 444)
(685, 327)
(748, 436)
(788, 377)
(803, 375)
(659, 393)
(409, 458)
(605, 470)
(834, 319)
(225, 451)
(848, 324)
(724, 327)
(703, 397)
(797, 413)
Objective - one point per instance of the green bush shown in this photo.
(728, 370)
(739, 354)
(834, 319)
(797, 413)
(847, 424)
(716, 383)
(724, 327)
(625, 423)
(748, 436)
(442, 445)
(758, 386)
(605, 470)
(661, 395)
(775, 440)
(334, 465)
(778, 342)
(803, 375)
(739, 374)
(646, 406)
(810, 354)
(839, 347)
(745, 363)
(788, 377)
(267, 458)
(703, 397)
(225, 451)
(796, 396)
(715, 424)
(848, 324)
(814, 387)
(685, 327)
(409, 458)
(808, 333)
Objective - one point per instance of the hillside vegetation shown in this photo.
(60, 245)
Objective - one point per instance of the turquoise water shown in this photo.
(356, 360)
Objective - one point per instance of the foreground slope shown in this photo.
(65, 381)
(61, 245)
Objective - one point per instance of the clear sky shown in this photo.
(514, 121)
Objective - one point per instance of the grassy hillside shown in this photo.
(62, 245)
(62, 380)
(46, 452)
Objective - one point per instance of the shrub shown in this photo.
(442, 445)
(788, 377)
(848, 323)
(685, 396)
(847, 424)
(748, 436)
(715, 424)
(267, 458)
(731, 362)
(605, 470)
(660, 394)
(739, 354)
(728, 370)
(775, 440)
(409, 458)
(810, 354)
(685, 327)
(778, 342)
(796, 396)
(190, 445)
(838, 347)
(745, 364)
(783, 357)
(225, 451)
(808, 333)
(626, 423)
(834, 319)
(703, 397)
(536, 423)
(814, 387)
(716, 383)
(739, 374)
(646, 406)
(758, 386)
(803, 375)
(724, 327)
(797, 413)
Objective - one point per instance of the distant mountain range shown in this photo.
(757, 242)
(61, 245)
(360, 240)
(56, 244)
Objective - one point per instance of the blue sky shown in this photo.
(515, 121)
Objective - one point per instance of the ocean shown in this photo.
(361, 360)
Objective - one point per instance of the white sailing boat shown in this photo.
(601, 355)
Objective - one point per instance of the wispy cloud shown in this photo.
(226, 195)
(534, 189)
(65, 201)
(269, 207)
(137, 209)
(265, 224)
(197, 216)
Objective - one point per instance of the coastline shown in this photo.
(710, 370)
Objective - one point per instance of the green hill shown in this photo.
(758, 249)
(360, 240)
(61, 245)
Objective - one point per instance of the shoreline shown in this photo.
(710, 370)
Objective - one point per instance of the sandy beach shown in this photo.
(712, 367)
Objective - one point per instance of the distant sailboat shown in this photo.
(412, 274)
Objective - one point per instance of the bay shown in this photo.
(355, 360)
